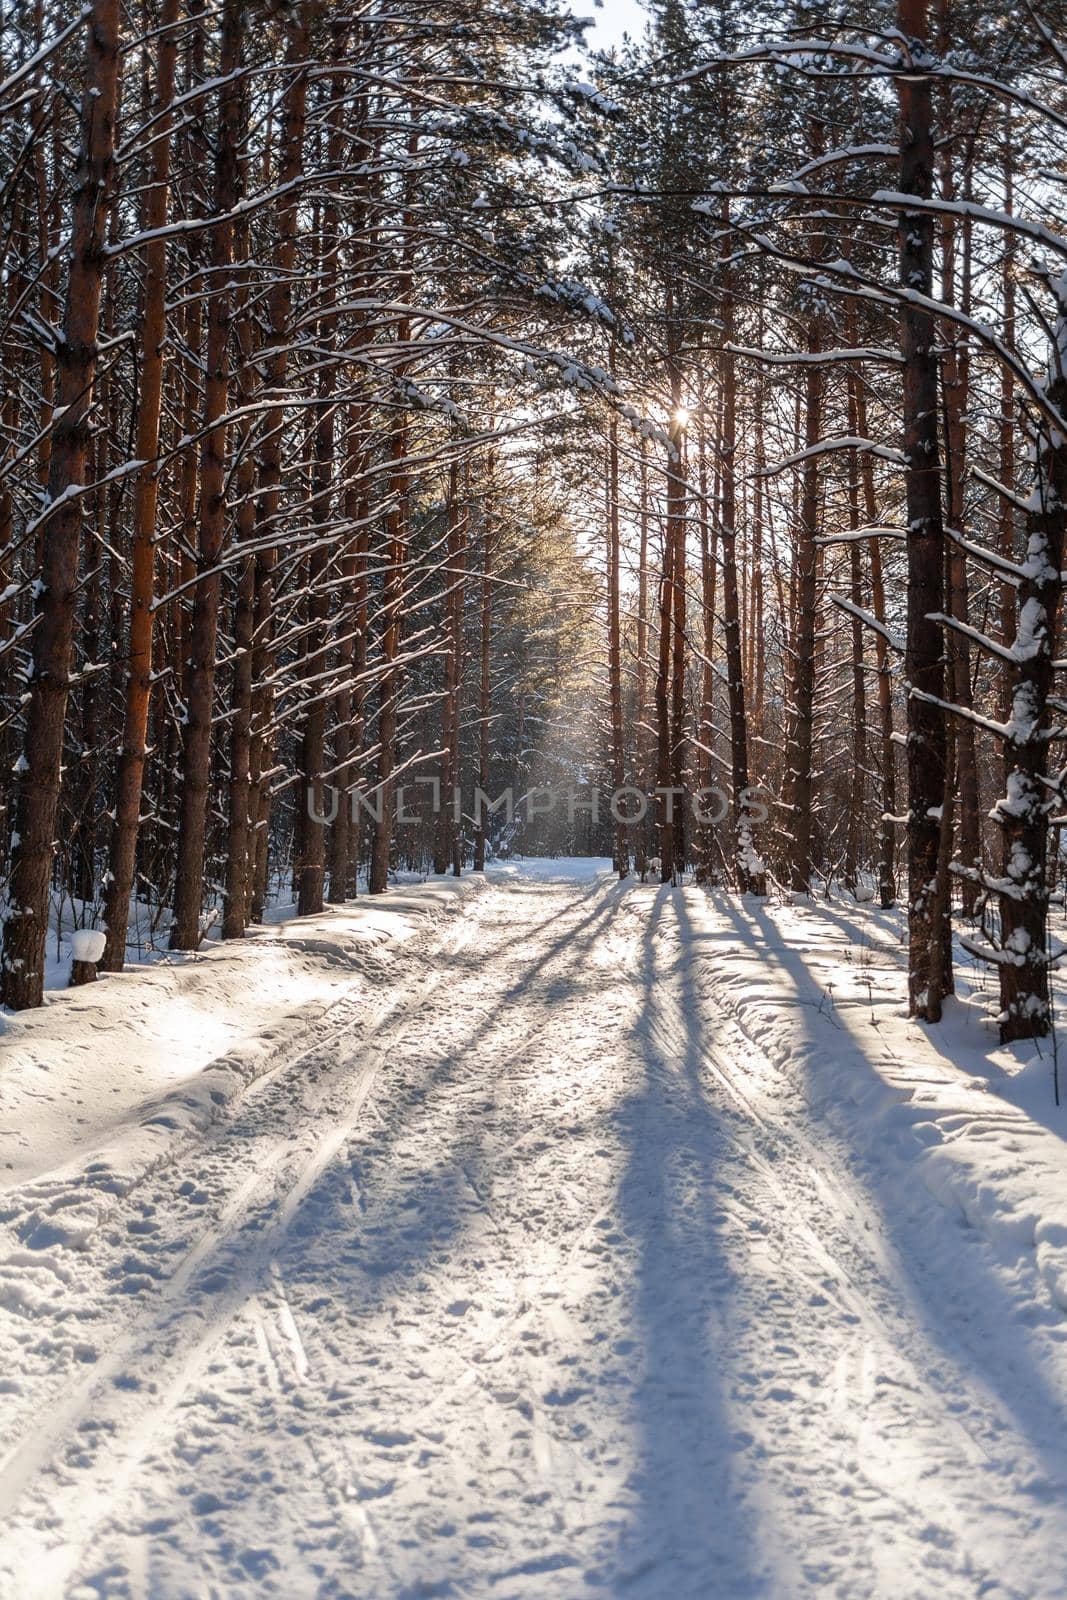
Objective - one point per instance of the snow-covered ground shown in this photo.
(115, 1070)
(588, 1241)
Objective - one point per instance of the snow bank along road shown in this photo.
(537, 1276)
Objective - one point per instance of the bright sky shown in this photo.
(611, 20)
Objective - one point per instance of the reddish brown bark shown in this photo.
(801, 673)
(485, 697)
(129, 781)
(857, 404)
(928, 970)
(744, 862)
(22, 974)
(393, 582)
(621, 846)
(392, 590)
(240, 822)
(279, 314)
(641, 762)
(348, 704)
(671, 633)
(955, 383)
(185, 932)
(446, 841)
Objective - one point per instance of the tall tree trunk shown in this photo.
(666, 800)
(458, 655)
(801, 676)
(1024, 956)
(347, 741)
(924, 659)
(241, 823)
(311, 870)
(1006, 431)
(185, 933)
(360, 650)
(887, 889)
(449, 834)
(621, 844)
(955, 384)
(485, 643)
(26, 926)
(10, 416)
(279, 340)
(444, 823)
(857, 778)
(130, 777)
(641, 711)
(48, 235)
(798, 787)
(669, 594)
(393, 584)
(759, 649)
(705, 843)
(747, 867)
(678, 662)
(392, 592)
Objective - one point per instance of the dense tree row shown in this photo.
(395, 410)
(255, 465)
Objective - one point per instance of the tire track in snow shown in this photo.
(168, 1340)
(499, 1346)
(889, 1331)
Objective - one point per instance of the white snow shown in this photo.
(586, 1242)
(87, 944)
(109, 1072)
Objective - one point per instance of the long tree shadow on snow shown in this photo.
(689, 1533)
(966, 1328)
(967, 1025)
(372, 1229)
(372, 1224)
(411, 1225)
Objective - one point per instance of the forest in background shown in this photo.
(389, 394)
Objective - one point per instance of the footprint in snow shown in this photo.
(564, 1397)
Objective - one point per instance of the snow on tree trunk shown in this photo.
(1023, 958)
(924, 660)
(747, 865)
(130, 777)
(185, 933)
(22, 973)
(674, 531)
(620, 841)
(798, 784)
(279, 341)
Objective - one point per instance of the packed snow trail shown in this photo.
(539, 1281)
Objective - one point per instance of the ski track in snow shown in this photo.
(541, 1281)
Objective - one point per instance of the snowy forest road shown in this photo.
(538, 1282)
